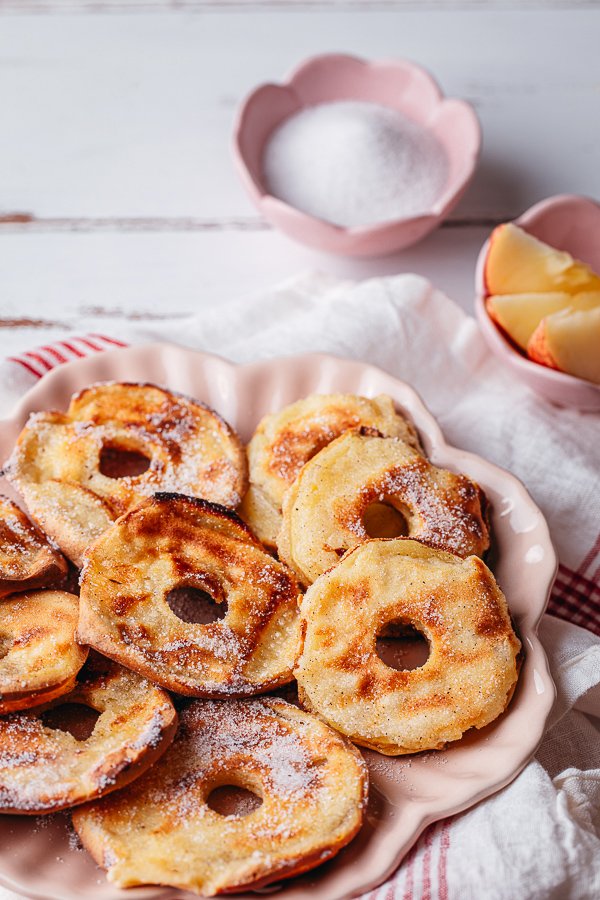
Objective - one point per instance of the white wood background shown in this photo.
(117, 188)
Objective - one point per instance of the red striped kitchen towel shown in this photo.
(39, 360)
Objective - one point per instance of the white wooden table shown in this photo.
(117, 188)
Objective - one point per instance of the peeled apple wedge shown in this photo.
(518, 263)
(520, 314)
(570, 342)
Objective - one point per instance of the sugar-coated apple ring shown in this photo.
(39, 659)
(45, 769)
(324, 510)
(161, 830)
(172, 541)
(57, 464)
(27, 559)
(472, 667)
(284, 441)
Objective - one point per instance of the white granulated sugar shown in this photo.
(354, 163)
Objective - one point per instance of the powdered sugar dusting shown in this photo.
(190, 449)
(46, 768)
(251, 731)
(441, 508)
(311, 785)
(22, 546)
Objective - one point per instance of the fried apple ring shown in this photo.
(470, 674)
(39, 659)
(27, 559)
(173, 541)
(60, 461)
(162, 830)
(284, 441)
(325, 509)
(44, 769)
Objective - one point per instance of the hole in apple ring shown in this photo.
(382, 520)
(122, 462)
(402, 647)
(233, 800)
(76, 719)
(195, 606)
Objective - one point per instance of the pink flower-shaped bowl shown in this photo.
(399, 85)
(568, 223)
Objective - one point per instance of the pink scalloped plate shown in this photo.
(407, 793)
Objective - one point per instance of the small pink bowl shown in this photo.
(568, 223)
(400, 85)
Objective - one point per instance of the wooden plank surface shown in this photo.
(53, 276)
(132, 116)
(174, 6)
(117, 189)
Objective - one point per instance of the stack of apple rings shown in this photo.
(336, 498)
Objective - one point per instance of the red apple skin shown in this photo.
(490, 310)
(538, 350)
(507, 337)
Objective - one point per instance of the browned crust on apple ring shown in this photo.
(472, 668)
(27, 559)
(59, 462)
(18, 702)
(39, 659)
(44, 769)
(324, 510)
(161, 830)
(172, 541)
(284, 441)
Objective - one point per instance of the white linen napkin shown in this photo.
(539, 837)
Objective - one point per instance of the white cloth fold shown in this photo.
(539, 837)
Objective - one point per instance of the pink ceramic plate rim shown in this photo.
(560, 380)
(293, 81)
(407, 793)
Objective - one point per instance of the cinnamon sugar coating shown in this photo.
(324, 510)
(161, 830)
(171, 541)
(45, 769)
(472, 667)
(27, 558)
(57, 462)
(39, 658)
(284, 441)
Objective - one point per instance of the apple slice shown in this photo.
(519, 263)
(520, 314)
(570, 342)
